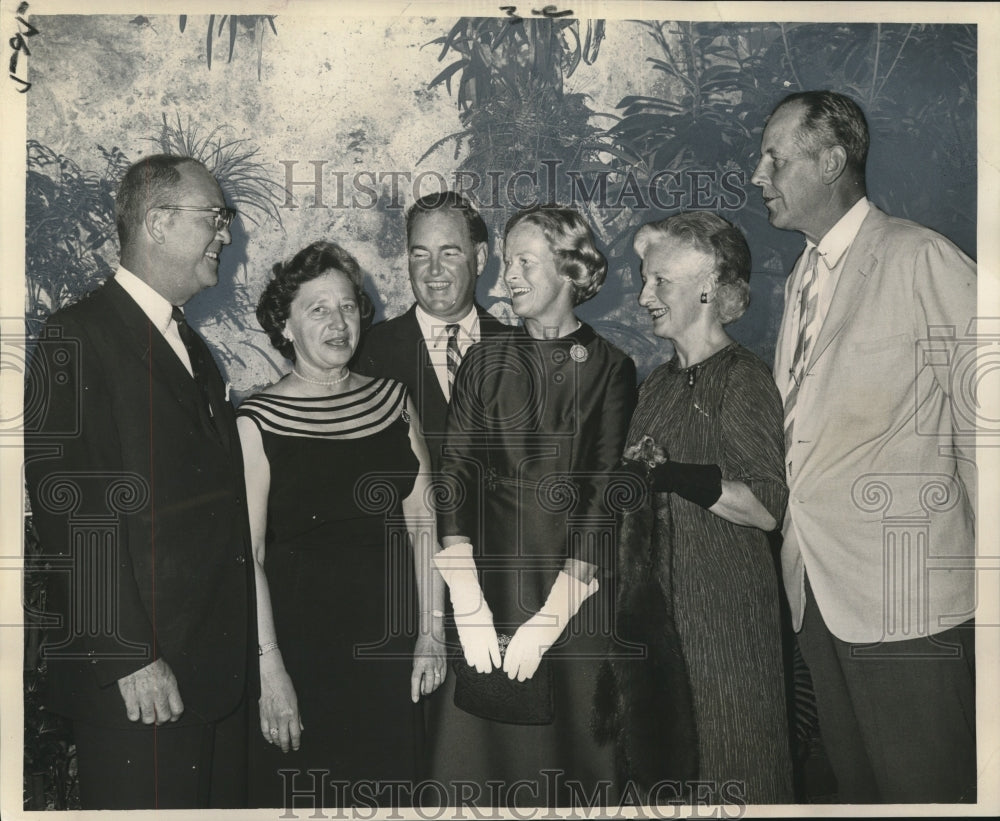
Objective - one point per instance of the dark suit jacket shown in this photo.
(138, 499)
(396, 349)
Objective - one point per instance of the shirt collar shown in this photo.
(839, 238)
(434, 329)
(152, 303)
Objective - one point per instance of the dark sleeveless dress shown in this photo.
(340, 572)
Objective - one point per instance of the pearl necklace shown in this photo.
(324, 382)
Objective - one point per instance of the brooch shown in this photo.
(578, 353)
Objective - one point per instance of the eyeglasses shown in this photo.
(223, 216)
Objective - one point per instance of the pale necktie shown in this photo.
(454, 358)
(807, 330)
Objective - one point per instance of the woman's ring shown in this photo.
(274, 732)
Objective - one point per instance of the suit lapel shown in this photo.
(148, 344)
(431, 401)
(860, 263)
(428, 389)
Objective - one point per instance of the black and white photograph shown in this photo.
(454, 409)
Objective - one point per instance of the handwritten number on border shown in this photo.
(552, 12)
(18, 44)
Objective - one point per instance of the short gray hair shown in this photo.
(716, 237)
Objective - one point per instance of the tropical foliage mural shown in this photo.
(541, 99)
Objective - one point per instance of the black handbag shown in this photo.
(496, 697)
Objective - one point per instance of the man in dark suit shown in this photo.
(879, 537)
(135, 475)
(448, 246)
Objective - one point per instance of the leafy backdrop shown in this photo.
(622, 100)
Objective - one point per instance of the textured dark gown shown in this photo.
(340, 573)
(727, 411)
(533, 430)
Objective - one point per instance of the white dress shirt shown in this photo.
(832, 249)
(435, 335)
(158, 309)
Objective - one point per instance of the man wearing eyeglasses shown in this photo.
(136, 481)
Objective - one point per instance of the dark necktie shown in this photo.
(198, 365)
(454, 357)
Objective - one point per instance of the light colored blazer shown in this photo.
(881, 475)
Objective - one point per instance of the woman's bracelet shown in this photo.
(438, 614)
(266, 648)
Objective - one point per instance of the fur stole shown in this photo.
(643, 702)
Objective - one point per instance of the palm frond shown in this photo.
(244, 180)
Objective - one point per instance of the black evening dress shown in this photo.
(533, 431)
(726, 411)
(341, 580)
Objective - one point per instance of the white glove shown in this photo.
(473, 617)
(541, 631)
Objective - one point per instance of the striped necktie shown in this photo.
(807, 320)
(454, 358)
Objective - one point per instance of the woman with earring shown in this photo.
(349, 609)
(715, 417)
(536, 426)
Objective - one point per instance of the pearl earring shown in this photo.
(704, 297)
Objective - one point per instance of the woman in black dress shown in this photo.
(343, 539)
(715, 415)
(537, 420)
